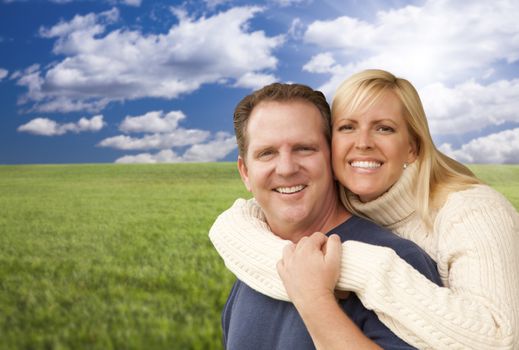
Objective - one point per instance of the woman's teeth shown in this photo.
(366, 164)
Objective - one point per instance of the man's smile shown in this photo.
(290, 190)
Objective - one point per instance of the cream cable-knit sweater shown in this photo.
(475, 242)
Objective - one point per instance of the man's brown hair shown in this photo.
(280, 93)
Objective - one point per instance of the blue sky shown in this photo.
(157, 81)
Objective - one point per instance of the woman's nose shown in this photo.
(364, 140)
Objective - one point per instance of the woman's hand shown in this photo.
(310, 269)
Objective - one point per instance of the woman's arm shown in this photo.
(478, 241)
(248, 248)
(477, 250)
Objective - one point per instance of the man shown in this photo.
(283, 134)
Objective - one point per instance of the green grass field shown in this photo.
(117, 256)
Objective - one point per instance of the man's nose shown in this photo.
(287, 164)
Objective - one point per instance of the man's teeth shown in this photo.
(365, 164)
(288, 190)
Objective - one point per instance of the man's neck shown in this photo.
(335, 216)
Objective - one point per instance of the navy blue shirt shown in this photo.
(251, 320)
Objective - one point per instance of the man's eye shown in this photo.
(306, 149)
(265, 154)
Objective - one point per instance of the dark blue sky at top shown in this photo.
(210, 106)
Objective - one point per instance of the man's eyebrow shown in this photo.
(306, 144)
(260, 149)
(263, 146)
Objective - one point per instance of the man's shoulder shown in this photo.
(363, 230)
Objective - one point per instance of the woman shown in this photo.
(383, 155)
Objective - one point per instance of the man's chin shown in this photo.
(291, 216)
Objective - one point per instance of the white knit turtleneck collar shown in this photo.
(395, 205)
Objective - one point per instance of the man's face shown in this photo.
(287, 165)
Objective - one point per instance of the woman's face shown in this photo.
(369, 150)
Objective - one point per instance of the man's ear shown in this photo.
(244, 173)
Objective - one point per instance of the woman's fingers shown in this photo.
(315, 241)
(333, 250)
(311, 267)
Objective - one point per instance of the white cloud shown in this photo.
(321, 63)
(79, 27)
(254, 81)
(135, 3)
(215, 3)
(3, 73)
(165, 156)
(162, 132)
(287, 3)
(31, 79)
(176, 138)
(296, 29)
(152, 122)
(41, 126)
(447, 41)
(65, 105)
(470, 106)
(48, 127)
(212, 151)
(501, 147)
(102, 66)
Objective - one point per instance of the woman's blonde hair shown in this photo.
(438, 174)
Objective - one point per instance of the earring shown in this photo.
(405, 165)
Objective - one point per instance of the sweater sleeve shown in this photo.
(248, 248)
(478, 244)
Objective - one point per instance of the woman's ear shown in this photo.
(413, 152)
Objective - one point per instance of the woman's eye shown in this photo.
(385, 129)
(346, 127)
